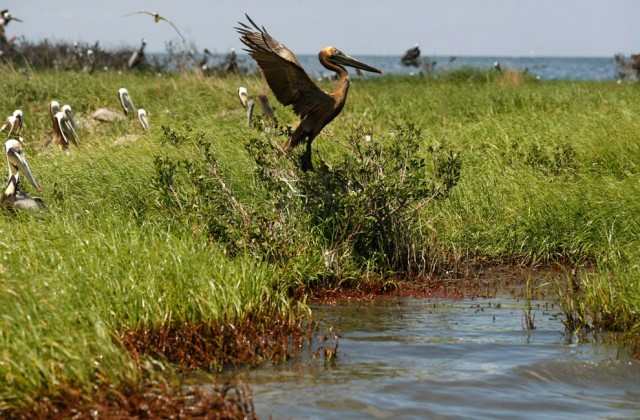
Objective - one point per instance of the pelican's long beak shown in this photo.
(16, 19)
(345, 60)
(17, 159)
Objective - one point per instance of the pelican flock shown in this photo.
(292, 85)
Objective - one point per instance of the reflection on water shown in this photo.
(442, 358)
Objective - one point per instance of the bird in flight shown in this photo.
(157, 18)
(292, 85)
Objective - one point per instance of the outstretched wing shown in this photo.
(287, 79)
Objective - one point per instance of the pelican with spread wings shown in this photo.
(157, 18)
(292, 85)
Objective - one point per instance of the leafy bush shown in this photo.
(364, 209)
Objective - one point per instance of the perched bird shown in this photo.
(69, 124)
(13, 124)
(410, 57)
(6, 17)
(90, 61)
(125, 101)
(243, 95)
(61, 129)
(12, 198)
(292, 86)
(137, 58)
(144, 120)
(157, 18)
(204, 62)
(496, 66)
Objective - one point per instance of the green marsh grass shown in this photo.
(549, 175)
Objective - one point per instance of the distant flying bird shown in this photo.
(137, 57)
(144, 120)
(12, 198)
(243, 95)
(410, 57)
(292, 86)
(125, 101)
(157, 18)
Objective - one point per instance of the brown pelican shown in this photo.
(13, 199)
(410, 57)
(157, 18)
(265, 106)
(125, 101)
(137, 57)
(204, 63)
(243, 95)
(61, 129)
(496, 66)
(69, 124)
(250, 105)
(144, 120)
(13, 124)
(6, 17)
(91, 61)
(293, 86)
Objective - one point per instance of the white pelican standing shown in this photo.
(13, 199)
(157, 18)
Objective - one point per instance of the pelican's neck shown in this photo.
(343, 77)
(12, 186)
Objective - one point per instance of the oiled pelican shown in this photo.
(144, 120)
(292, 86)
(13, 199)
(125, 101)
(157, 18)
(13, 124)
(243, 95)
(137, 57)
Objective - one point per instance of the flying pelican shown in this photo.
(157, 18)
(292, 86)
(13, 124)
(125, 101)
(12, 198)
(410, 57)
(243, 96)
(137, 57)
(144, 120)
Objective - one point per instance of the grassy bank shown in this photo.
(176, 235)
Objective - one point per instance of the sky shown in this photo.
(576, 28)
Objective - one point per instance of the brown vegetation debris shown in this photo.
(212, 346)
(149, 401)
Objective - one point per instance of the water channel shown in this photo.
(442, 358)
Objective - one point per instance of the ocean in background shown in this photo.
(546, 68)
